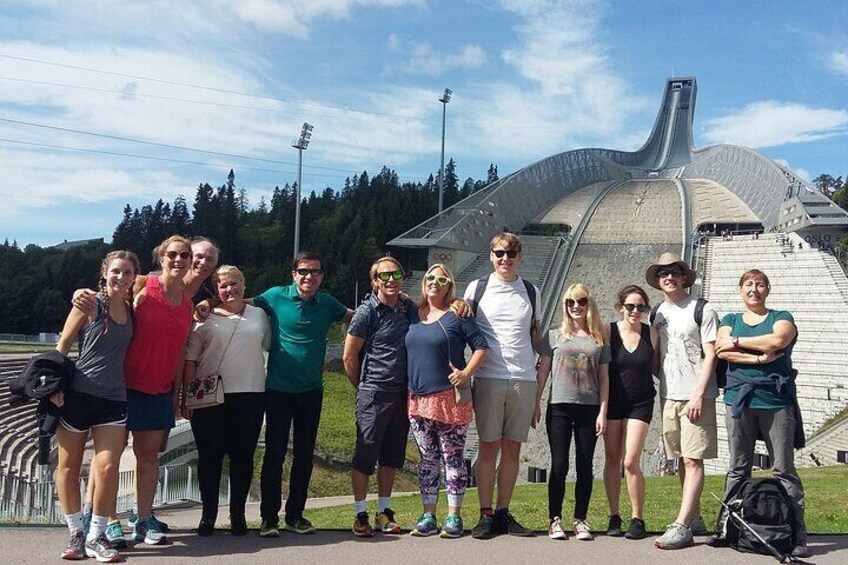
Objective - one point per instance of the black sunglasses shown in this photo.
(675, 272)
(181, 254)
(641, 308)
(314, 272)
(570, 302)
(512, 253)
(386, 275)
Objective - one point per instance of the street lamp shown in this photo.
(301, 144)
(444, 100)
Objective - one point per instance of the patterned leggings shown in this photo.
(439, 442)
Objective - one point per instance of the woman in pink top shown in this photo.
(153, 365)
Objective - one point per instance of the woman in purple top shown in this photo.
(435, 345)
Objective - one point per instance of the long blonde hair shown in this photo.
(450, 296)
(593, 319)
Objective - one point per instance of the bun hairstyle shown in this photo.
(104, 294)
(627, 291)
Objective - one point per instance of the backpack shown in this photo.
(531, 295)
(721, 364)
(764, 505)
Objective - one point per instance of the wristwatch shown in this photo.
(735, 341)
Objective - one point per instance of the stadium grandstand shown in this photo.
(613, 213)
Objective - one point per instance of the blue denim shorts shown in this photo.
(149, 412)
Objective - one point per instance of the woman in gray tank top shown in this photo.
(96, 402)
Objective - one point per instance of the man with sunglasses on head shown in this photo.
(377, 331)
(504, 388)
(300, 316)
(687, 328)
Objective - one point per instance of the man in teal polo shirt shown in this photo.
(300, 316)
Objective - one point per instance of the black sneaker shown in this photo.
(636, 530)
(206, 527)
(513, 528)
(238, 525)
(614, 527)
(484, 528)
(300, 526)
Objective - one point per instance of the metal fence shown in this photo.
(36, 502)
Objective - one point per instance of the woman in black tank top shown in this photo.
(631, 404)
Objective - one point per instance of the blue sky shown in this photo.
(531, 78)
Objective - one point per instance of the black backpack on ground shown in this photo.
(764, 505)
(721, 364)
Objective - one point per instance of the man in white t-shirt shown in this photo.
(687, 328)
(505, 384)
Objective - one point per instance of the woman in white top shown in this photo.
(230, 343)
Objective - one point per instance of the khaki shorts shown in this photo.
(682, 438)
(503, 408)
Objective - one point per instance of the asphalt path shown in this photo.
(43, 545)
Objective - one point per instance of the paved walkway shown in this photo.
(43, 545)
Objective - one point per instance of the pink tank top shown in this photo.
(158, 342)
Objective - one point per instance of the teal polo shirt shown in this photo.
(298, 337)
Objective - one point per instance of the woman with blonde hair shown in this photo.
(438, 416)
(578, 355)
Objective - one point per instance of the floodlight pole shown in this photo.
(301, 144)
(444, 100)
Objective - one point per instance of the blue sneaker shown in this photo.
(132, 518)
(452, 527)
(86, 522)
(115, 535)
(426, 526)
(147, 530)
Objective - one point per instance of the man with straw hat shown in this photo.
(687, 328)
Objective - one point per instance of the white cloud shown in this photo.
(423, 60)
(770, 123)
(839, 62)
(803, 173)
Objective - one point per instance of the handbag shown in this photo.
(462, 393)
(203, 392)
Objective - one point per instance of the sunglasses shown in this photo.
(570, 302)
(313, 272)
(174, 254)
(512, 253)
(440, 280)
(669, 273)
(385, 276)
(641, 308)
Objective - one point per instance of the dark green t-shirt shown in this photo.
(763, 398)
(298, 336)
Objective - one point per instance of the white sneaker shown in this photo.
(555, 530)
(582, 531)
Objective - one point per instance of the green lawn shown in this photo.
(827, 506)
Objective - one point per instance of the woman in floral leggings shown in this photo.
(439, 421)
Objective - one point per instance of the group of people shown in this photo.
(141, 352)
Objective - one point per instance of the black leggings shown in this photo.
(561, 421)
(231, 428)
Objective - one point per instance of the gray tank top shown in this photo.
(100, 366)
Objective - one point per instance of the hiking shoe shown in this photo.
(485, 528)
(452, 527)
(76, 546)
(101, 550)
(206, 527)
(115, 535)
(238, 526)
(698, 527)
(269, 529)
(426, 526)
(676, 536)
(555, 530)
(636, 530)
(801, 551)
(582, 531)
(147, 530)
(385, 522)
(614, 527)
(513, 528)
(86, 522)
(300, 526)
(361, 527)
